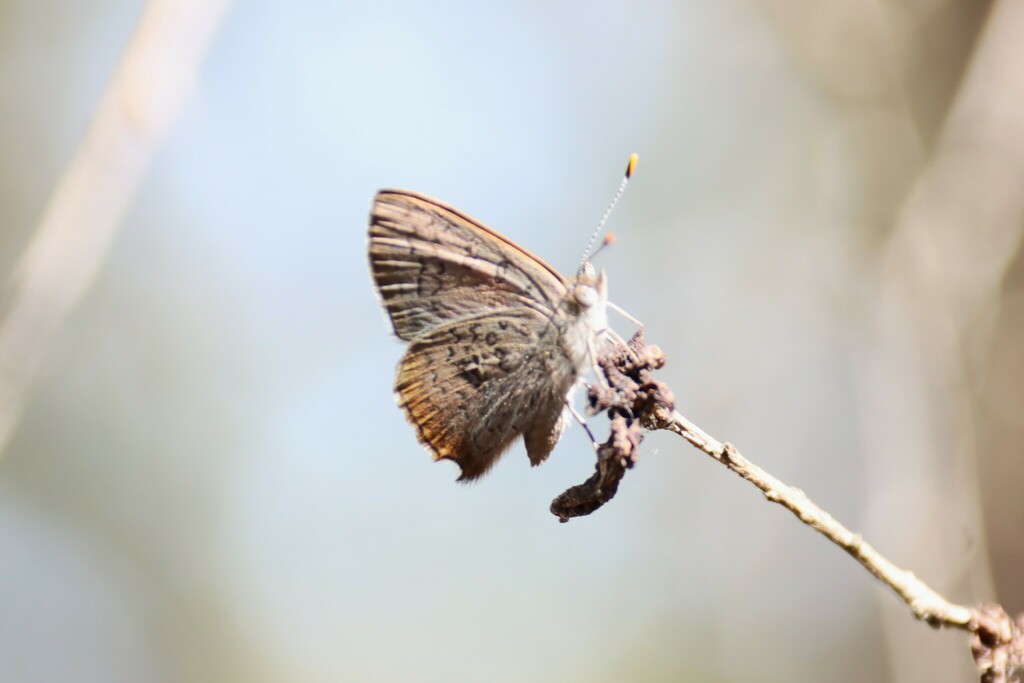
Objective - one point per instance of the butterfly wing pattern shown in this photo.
(497, 338)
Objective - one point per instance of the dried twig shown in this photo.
(998, 641)
(635, 399)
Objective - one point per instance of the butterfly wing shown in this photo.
(432, 264)
(472, 386)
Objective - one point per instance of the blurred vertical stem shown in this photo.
(939, 282)
(153, 80)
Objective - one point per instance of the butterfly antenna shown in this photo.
(630, 167)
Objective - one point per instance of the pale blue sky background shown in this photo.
(213, 482)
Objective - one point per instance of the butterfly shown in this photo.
(498, 339)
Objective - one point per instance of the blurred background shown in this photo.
(205, 477)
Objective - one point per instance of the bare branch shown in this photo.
(153, 80)
(998, 641)
(634, 399)
(925, 603)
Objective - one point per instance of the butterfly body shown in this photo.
(497, 338)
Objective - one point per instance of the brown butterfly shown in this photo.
(498, 339)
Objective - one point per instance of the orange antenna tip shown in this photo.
(587, 254)
(609, 240)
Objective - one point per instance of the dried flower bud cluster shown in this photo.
(634, 401)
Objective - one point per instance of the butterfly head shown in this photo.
(589, 288)
(588, 309)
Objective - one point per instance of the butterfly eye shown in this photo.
(584, 295)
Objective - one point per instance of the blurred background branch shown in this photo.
(153, 80)
(937, 293)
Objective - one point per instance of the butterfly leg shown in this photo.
(583, 423)
(592, 352)
(617, 339)
(625, 315)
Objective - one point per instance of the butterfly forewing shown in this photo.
(433, 264)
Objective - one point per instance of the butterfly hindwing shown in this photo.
(472, 386)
